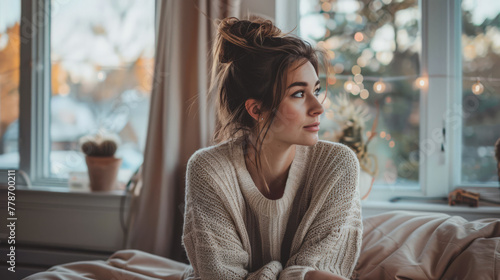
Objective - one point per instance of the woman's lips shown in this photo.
(312, 128)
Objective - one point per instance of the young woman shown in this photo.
(270, 200)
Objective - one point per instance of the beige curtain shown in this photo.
(180, 122)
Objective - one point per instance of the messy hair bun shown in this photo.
(240, 37)
(250, 60)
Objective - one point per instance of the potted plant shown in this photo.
(102, 165)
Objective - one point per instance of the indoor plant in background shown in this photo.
(102, 165)
(351, 120)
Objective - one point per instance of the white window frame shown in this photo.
(440, 102)
(34, 97)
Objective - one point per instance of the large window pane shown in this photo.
(10, 15)
(372, 42)
(481, 87)
(102, 55)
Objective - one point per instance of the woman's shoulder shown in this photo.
(332, 163)
(325, 150)
(213, 156)
(212, 169)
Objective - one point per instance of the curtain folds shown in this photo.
(181, 121)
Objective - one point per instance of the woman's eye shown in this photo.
(316, 92)
(301, 92)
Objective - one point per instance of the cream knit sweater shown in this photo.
(231, 231)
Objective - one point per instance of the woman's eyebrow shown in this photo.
(302, 84)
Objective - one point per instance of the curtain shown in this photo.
(181, 121)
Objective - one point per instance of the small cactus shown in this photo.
(99, 145)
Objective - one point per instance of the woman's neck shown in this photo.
(275, 162)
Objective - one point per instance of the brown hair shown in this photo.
(250, 61)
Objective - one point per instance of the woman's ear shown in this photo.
(253, 108)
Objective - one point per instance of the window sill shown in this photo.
(65, 197)
(68, 190)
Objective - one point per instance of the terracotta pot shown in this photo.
(103, 172)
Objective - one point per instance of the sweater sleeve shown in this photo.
(210, 237)
(333, 241)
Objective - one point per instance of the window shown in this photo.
(92, 70)
(10, 15)
(438, 62)
(373, 47)
(102, 57)
(481, 87)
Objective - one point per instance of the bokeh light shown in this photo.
(379, 86)
(477, 88)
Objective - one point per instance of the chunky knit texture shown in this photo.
(231, 231)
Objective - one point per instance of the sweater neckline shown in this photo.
(256, 198)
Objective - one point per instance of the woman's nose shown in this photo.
(317, 108)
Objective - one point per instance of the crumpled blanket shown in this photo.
(396, 245)
(122, 265)
(412, 245)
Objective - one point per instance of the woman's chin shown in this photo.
(311, 140)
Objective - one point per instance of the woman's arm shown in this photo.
(333, 240)
(210, 237)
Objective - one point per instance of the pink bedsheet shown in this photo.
(410, 245)
(124, 264)
(396, 245)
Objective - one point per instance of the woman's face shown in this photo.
(300, 107)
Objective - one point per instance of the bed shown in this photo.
(396, 245)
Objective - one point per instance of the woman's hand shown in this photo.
(322, 275)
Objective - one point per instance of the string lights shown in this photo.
(364, 94)
(354, 83)
(355, 89)
(477, 87)
(421, 82)
(379, 87)
(348, 85)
